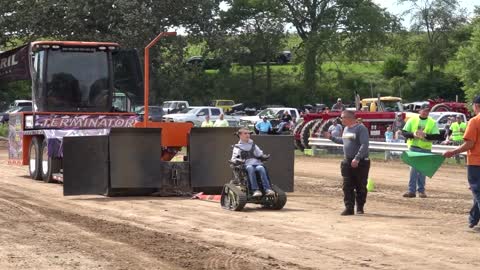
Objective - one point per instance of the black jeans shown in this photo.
(355, 183)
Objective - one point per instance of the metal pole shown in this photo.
(146, 83)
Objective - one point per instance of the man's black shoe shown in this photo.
(360, 211)
(348, 212)
(471, 225)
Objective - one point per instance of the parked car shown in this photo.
(155, 113)
(21, 103)
(196, 115)
(205, 63)
(441, 118)
(174, 106)
(273, 114)
(5, 116)
(225, 104)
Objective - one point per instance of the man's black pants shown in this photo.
(355, 183)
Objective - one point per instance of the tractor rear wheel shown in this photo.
(35, 158)
(440, 108)
(306, 132)
(233, 198)
(298, 143)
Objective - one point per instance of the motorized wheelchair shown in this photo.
(237, 193)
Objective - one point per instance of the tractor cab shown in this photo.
(83, 76)
(382, 104)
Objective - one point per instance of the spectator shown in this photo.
(388, 139)
(221, 122)
(398, 123)
(264, 126)
(326, 110)
(286, 119)
(207, 122)
(335, 129)
(338, 107)
(457, 131)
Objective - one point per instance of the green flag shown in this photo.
(426, 163)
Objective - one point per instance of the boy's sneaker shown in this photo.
(257, 193)
(269, 192)
(422, 195)
(410, 195)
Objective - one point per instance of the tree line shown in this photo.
(339, 47)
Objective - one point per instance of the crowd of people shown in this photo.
(419, 132)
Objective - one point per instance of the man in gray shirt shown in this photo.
(356, 164)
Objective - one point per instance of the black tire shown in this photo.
(278, 201)
(35, 158)
(440, 108)
(49, 165)
(233, 198)
(306, 131)
(298, 143)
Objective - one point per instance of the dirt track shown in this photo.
(41, 229)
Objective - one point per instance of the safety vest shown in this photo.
(457, 131)
(207, 124)
(421, 143)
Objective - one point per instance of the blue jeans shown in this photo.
(473, 173)
(417, 179)
(251, 169)
(281, 126)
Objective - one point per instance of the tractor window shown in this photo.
(77, 81)
(392, 106)
(127, 74)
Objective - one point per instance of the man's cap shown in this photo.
(264, 117)
(339, 99)
(459, 116)
(476, 100)
(425, 107)
(399, 114)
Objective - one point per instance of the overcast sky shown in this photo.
(393, 7)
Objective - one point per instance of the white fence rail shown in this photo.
(375, 145)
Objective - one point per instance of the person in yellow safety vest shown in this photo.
(207, 122)
(458, 129)
(221, 122)
(420, 131)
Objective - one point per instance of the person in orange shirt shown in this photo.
(472, 146)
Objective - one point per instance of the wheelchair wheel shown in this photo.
(277, 201)
(233, 198)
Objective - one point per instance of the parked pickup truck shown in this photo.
(196, 115)
(272, 114)
(174, 106)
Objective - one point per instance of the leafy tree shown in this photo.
(330, 27)
(468, 58)
(438, 19)
(394, 66)
(260, 34)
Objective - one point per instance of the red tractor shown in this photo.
(439, 105)
(376, 114)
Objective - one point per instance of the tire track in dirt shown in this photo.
(178, 251)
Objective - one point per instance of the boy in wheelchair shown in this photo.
(246, 152)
